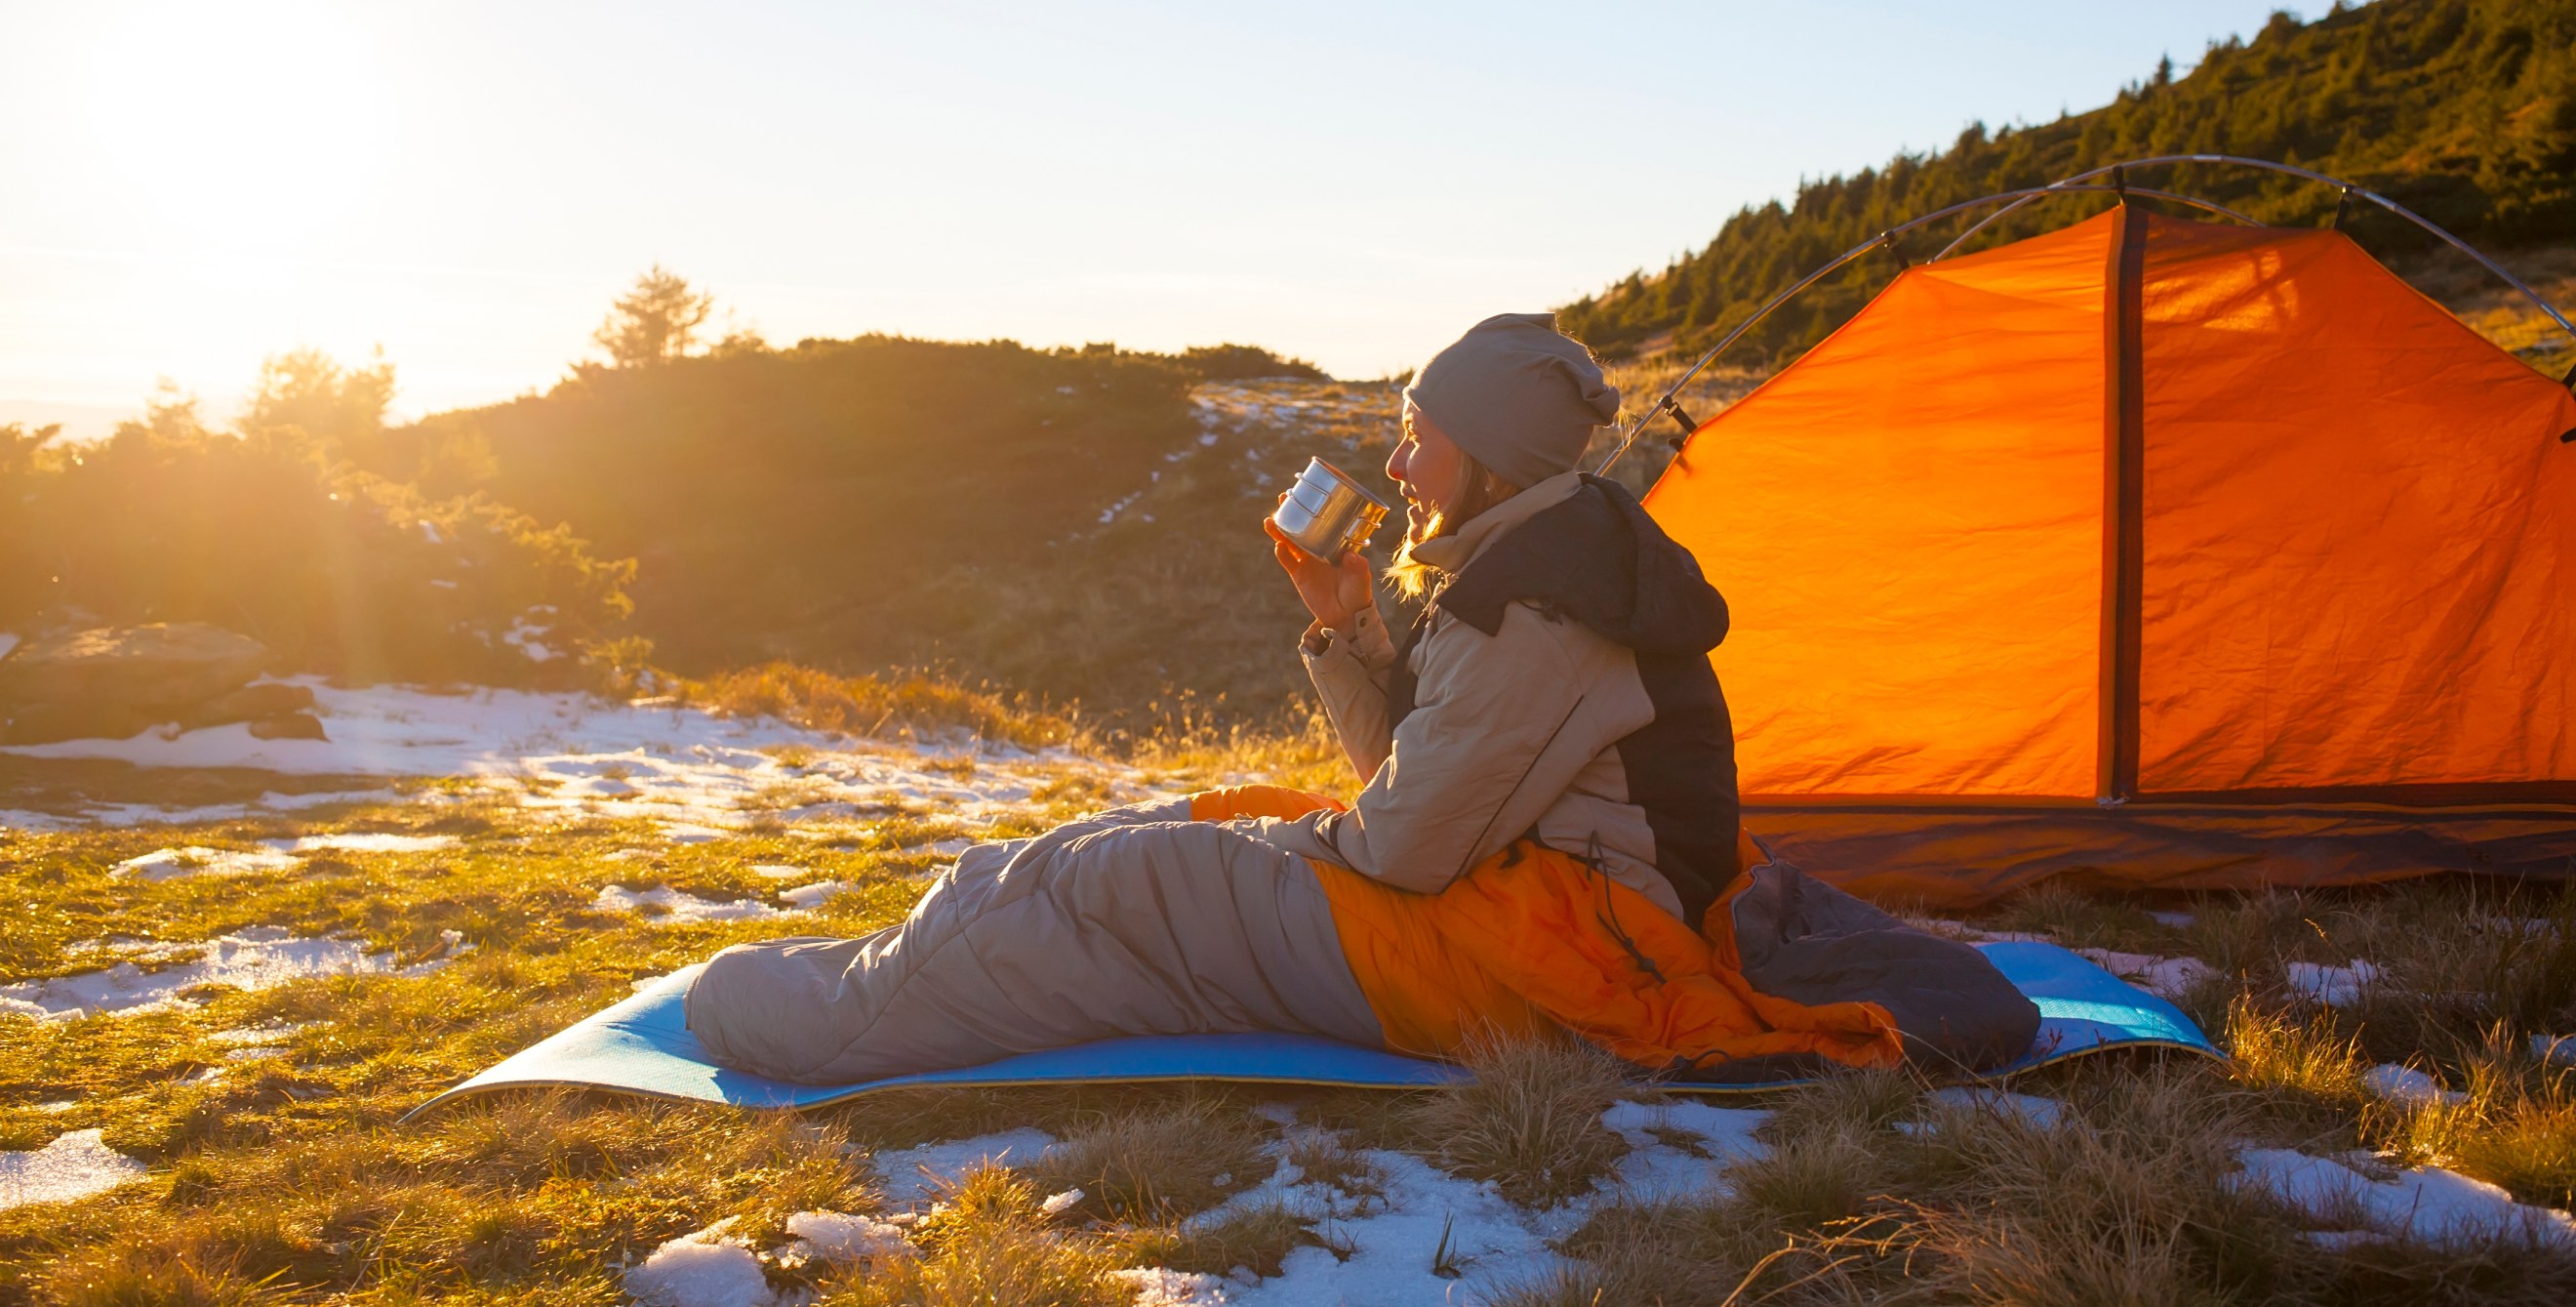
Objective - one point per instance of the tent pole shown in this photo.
(1887, 239)
(2123, 507)
(2348, 190)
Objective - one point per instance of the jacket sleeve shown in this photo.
(1350, 675)
(1498, 731)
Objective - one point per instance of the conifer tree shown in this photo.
(655, 322)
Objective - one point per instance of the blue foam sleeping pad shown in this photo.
(642, 1046)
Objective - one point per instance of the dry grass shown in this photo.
(895, 706)
(285, 1179)
(1155, 1162)
(1323, 1158)
(1186, 740)
(1257, 1238)
(1530, 1121)
(989, 1245)
(2129, 1199)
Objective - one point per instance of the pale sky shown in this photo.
(188, 187)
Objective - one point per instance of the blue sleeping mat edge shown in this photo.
(641, 1046)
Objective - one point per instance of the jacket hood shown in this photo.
(1597, 558)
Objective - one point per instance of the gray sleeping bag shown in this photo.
(1135, 921)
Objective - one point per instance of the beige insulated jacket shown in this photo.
(1535, 727)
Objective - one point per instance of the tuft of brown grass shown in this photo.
(2305, 1073)
(1156, 1162)
(1198, 741)
(1530, 1121)
(1322, 1158)
(897, 705)
(1257, 1238)
(988, 1245)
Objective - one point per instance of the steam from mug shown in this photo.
(1326, 513)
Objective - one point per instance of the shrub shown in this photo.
(336, 569)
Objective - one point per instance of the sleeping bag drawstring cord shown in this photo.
(1608, 912)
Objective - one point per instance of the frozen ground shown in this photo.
(2354, 1196)
(698, 775)
(1418, 1236)
(73, 1166)
(159, 977)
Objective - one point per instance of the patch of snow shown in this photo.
(270, 1032)
(527, 637)
(684, 832)
(779, 871)
(806, 898)
(706, 1269)
(944, 848)
(2039, 1113)
(2330, 985)
(58, 1105)
(2556, 1050)
(844, 1240)
(257, 957)
(1059, 1204)
(75, 1165)
(666, 904)
(92, 815)
(197, 860)
(365, 842)
(1155, 1286)
(2170, 977)
(2176, 920)
(1654, 1169)
(1491, 1243)
(2432, 1205)
(2409, 1087)
(913, 1176)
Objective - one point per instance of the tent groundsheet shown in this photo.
(642, 1046)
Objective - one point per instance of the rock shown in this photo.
(288, 726)
(249, 704)
(44, 723)
(160, 666)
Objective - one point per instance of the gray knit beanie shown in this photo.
(1518, 395)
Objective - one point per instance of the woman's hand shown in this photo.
(1334, 593)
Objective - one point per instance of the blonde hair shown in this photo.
(1482, 489)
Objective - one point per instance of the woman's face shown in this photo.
(1430, 469)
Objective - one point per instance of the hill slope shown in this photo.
(2463, 110)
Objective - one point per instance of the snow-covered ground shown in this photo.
(74, 1165)
(1421, 1236)
(700, 775)
(2356, 1196)
(154, 978)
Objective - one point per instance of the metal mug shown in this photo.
(1327, 514)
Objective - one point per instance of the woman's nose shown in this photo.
(1395, 462)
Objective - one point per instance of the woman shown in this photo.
(1547, 839)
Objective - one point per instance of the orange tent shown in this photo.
(2151, 551)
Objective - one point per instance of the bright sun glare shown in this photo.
(242, 129)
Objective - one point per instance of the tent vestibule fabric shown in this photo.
(2162, 552)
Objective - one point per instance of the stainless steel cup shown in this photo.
(1327, 514)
